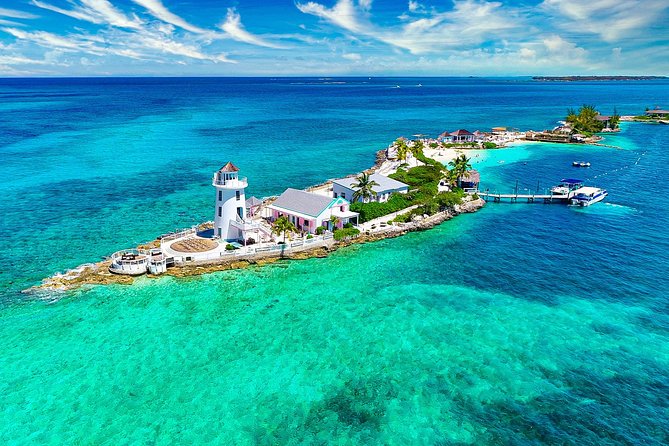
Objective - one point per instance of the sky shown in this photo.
(333, 37)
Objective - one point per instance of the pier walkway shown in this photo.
(530, 198)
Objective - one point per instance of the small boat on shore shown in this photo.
(585, 196)
(580, 164)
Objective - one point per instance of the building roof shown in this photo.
(657, 112)
(461, 132)
(602, 118)
(253, 201)
(384, 183)
(229, 167)
(472, 176)
(303, 202)
(446, 134)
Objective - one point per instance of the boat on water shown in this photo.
(585, 196)
(580, 164)
(566, 186)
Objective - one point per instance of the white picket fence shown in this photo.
(247, 251)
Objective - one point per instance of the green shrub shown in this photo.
(403, 218)
(372, 210)
(475, 196)
(449, 199)
(309, 236)
(419, 176)
(489, 145)
(341, 234)
(229, 247)
(320, 230)
(348, 225)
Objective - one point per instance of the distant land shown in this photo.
(596, 78)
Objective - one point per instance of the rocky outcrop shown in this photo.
(98, 273)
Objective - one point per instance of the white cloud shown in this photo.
(235, 30)
(170, 46)
(159, 11)
(100, 12)
(468, 24)
(50, 40)
(414, 6)
(143, 45)
(612, 20)
(10, 23)
(352, 56)
(20, 60)
(4, 12)
(558, 46)
(365, 4)
(343, 14)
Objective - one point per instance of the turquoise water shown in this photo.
(520, 324)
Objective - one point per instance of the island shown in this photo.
(412, 186)
(595, 78)
(403, 191)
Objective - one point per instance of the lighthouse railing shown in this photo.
(235, 182)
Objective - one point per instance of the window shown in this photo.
(220, 211)
(240, 212)
(343, 195)
(237, 194)
(220, 195)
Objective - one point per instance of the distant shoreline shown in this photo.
(595, 78)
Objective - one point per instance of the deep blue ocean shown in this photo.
(520, 324)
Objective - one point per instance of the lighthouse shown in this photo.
(230, 209)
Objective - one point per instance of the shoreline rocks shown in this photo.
(98, 273)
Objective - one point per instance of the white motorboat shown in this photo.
(580, 164)
(585, 196)
(566, 185)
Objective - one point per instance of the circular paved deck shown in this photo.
(194, 245)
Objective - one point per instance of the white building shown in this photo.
(345, 187)
(230, 220)
(309, 211)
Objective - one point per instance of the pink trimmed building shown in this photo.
(308, 211)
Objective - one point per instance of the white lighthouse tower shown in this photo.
(230, 209)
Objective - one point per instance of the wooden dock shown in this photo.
(530, 198)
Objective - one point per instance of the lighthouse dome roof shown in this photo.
(229, 167)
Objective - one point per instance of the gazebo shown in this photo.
(469, 180)
(462, 135)
(658, 113)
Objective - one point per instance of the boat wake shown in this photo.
(608, 209)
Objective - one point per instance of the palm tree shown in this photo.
(334, 221)
(416, 148)
(364, 188)
(402, 149)
(615, 118)
(459, 167)
(282, 226)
